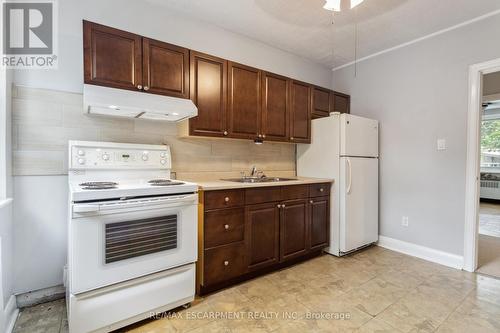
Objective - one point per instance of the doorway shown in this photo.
(489, 187)
(482, 206)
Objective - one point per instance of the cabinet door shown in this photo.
(244, 101)
(275, 107)
(262, 235)
(300, 115)
(321, 103)
(293, 229)
(166, 68)
(112, 57)
(341, 102)
(319, 229)
(209, 93)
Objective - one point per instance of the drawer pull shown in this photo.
(226, 226)
(321, 189)
(226, 199)
(225, 133)
(311, 202)
(226, 263)
(279, 206)
(283, 206)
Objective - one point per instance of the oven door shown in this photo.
(115, 241)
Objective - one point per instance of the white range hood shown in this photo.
(105, 101)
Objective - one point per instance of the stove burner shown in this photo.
(163, 182)
(98, 185)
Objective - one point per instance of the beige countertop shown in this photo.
(211, 185)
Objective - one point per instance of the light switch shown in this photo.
(441, 144)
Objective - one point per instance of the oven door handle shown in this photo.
(86, 208)
(99, 207)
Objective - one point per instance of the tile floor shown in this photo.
(375, 290)
(489, 239)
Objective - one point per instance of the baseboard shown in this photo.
(10, 314)
(40, 296)
(422, 252)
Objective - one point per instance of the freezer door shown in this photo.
(358, 202)
(359, 136)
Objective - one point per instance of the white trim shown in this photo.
(472, 167)
(5, 202)
(417, 40)
(10, 314)
(422, 252)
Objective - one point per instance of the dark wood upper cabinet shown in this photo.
(341, 102)
(112, 57)
(165, 68)
(262, 230)
(233, 100)
(244, 103)
(300, 112)
(294, 229)
(319, 226)
(209, 93)
(275, 107)
(322, 103)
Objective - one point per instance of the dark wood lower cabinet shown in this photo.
(262, 231)
(293, 229)
(319, 215)
(249, 232)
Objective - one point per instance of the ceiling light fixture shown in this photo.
(334, 5)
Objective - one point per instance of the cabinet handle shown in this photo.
(226, 226)
(146, 88)
(226, 263)
(311, 202)
(225, 133)
(283, 206)
(263, 135)
(291, 138)
(260, 135)
(139, 87)
(321, 189)
(226, 199)
(279, 206)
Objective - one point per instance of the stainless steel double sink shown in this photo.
(259, 179)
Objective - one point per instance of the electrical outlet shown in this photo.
(404, 221)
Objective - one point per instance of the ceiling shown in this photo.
(304, 28)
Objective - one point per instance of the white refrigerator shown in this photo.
(345, 148)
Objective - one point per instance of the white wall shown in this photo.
(419, 94)
(7, 301)
(40, 205)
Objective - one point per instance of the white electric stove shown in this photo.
(132, 235)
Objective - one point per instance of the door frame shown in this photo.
(472, 177)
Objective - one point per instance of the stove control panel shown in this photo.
(100, 155)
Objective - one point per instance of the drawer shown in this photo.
(223, 263)
(319, 190)
(224, 226)
(262, 195)
(294, 192)
(224, 199)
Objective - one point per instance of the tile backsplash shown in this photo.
(44, 121)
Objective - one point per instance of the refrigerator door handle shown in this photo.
(349, 168)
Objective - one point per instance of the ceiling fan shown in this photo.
(334, 5)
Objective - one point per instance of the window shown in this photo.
(490, 145)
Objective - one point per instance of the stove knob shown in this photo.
(163, 162)
(145, 157)
(81, 161)
(81, 153)
(105, 157)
